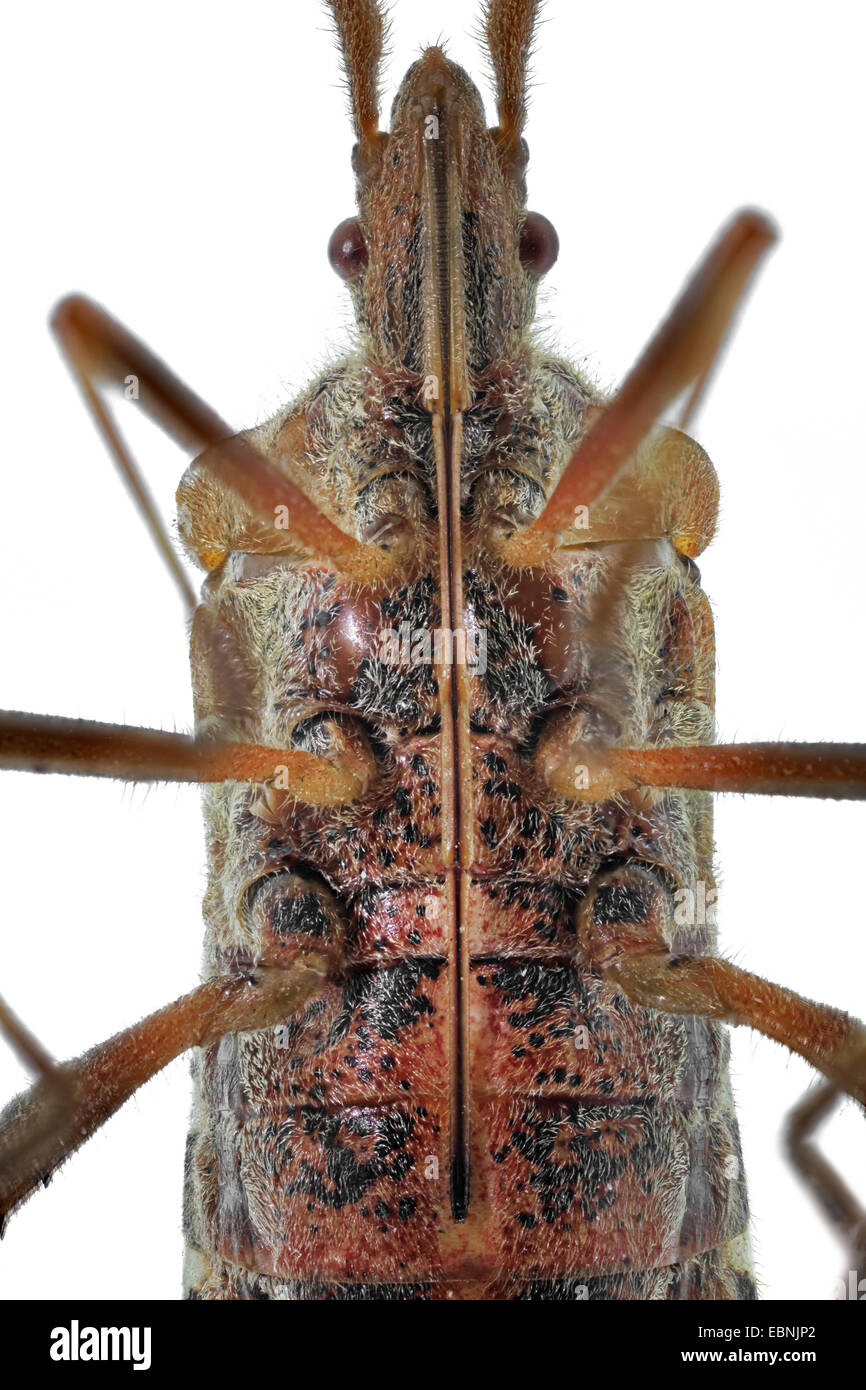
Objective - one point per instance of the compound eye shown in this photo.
(347, 249)
(539, 244)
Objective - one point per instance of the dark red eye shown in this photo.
(539, 244)
(347, 249)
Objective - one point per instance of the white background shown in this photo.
(184, 165)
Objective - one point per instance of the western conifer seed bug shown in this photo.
(801, 727)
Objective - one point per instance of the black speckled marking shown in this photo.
(347, 1179)
(387, 998)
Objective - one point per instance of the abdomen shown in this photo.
(604, 1157)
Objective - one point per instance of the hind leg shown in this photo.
(839, 1204)
(67, 1104)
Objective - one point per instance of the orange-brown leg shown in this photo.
(41, 743)
(572, 769)
(682, 349)
(22, 1150)
(636, 956)
(43, 1126)
(625, 931)
(829, 1040)
(103, 354)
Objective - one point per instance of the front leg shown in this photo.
(102, 354)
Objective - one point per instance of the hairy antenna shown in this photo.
(508, 27)
(362, 28)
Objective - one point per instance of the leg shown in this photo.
(102, 353)
(23, 1150)
(636, 956)
(682, 349)
(43, 1126)
(40, 743)
(768, 769)
(625, 932)
(839, 1204)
